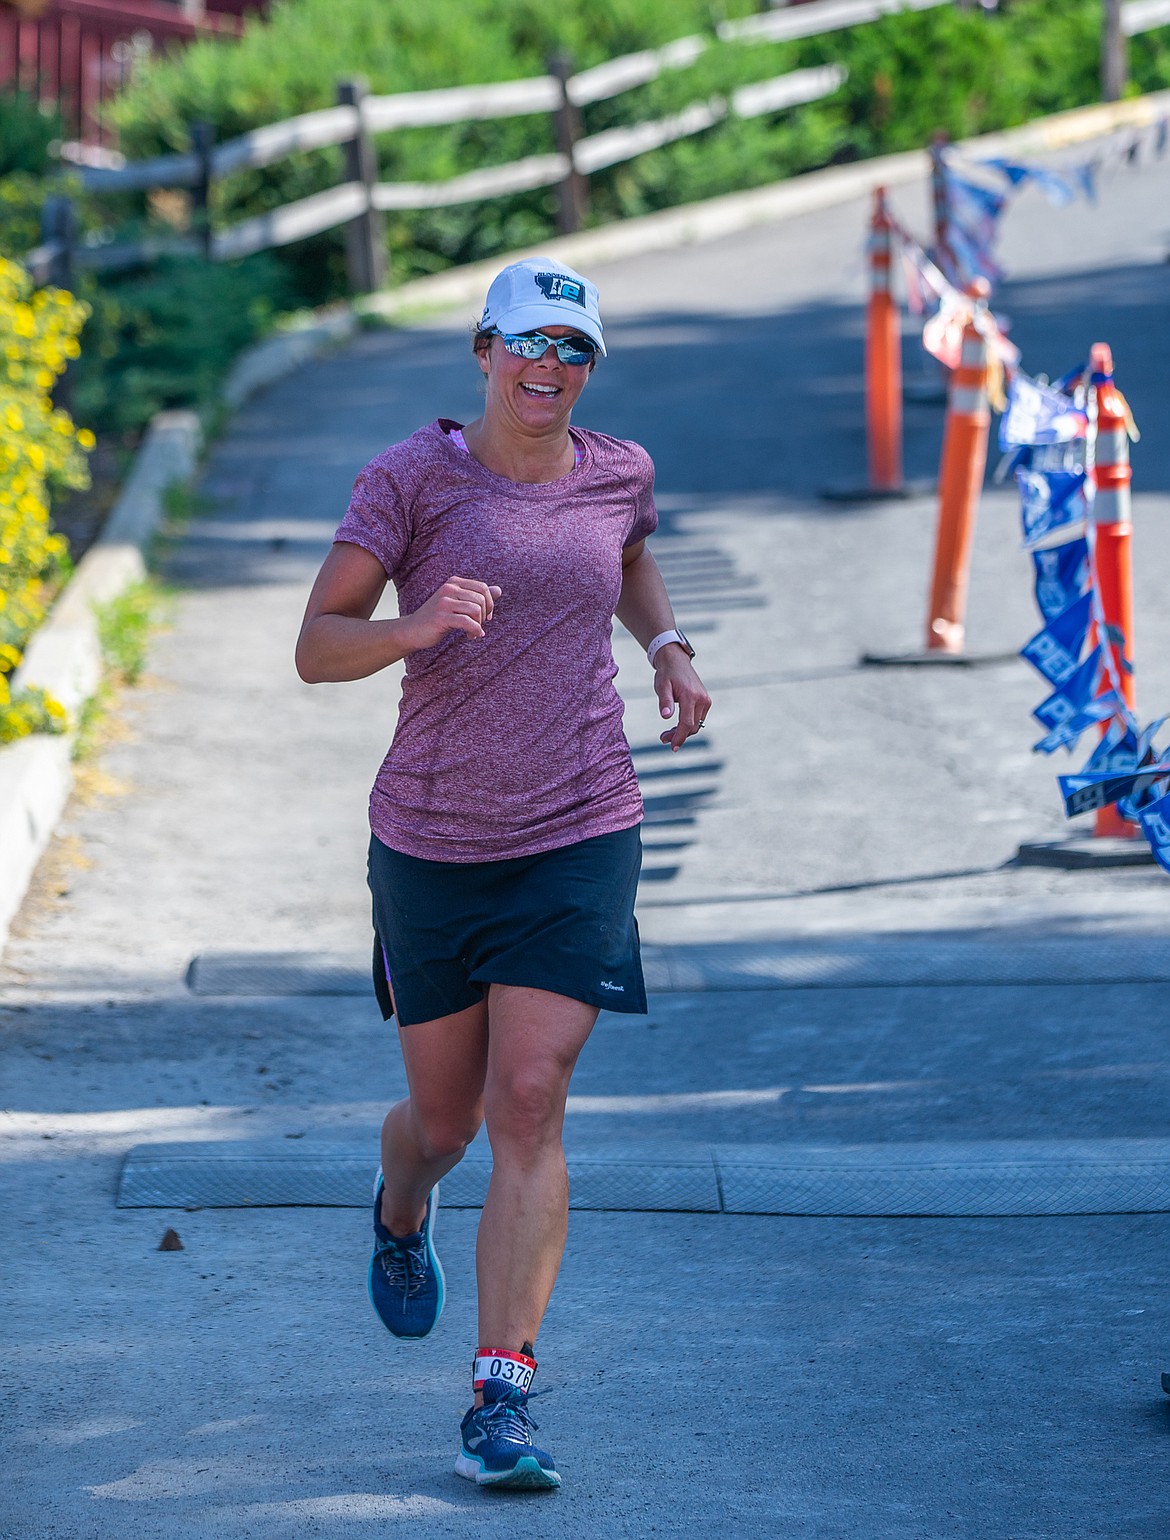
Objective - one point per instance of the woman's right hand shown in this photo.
(462, 604)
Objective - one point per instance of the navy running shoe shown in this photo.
(497, 1448)
(405, 1280)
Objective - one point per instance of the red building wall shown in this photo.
(79, 53)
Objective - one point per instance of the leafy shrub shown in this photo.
(21, 197)
(27, 130)
(40, 450)
(910, 75)
(292, 64)
(167, 338)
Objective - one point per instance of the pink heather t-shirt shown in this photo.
(512, 744)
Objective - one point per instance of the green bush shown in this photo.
(27, 130)
(910, 75)
(167, 338)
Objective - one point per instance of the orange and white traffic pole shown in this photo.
(883, 358)
(960, 481)
(1112, 557)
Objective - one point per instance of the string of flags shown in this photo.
(972, 197)
(1048, 435)
(948, 311)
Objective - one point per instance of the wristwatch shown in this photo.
(663, 639)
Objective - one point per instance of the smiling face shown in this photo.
(532, 397)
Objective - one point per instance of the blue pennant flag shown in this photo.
(1049, 459)
(1117, 752)
(1057, 189)
(1066, 733)
(1051, 500)
(1055, 651)
(976, 208)
(1013, 172)
(1154, 765)
(1038, 414)
(1069, 382)
(1062, 576)
(1131, 790)
(1074, 694)
(1147, 789)
(1145, 744)
(974, 260)
(1155, 822)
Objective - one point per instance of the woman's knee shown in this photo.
(445, 1131)
(526, 1110)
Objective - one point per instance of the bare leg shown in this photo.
(425, 1135)
(534, 1040)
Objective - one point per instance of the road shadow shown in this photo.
(764, 406)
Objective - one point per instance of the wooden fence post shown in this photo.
(365, 244)
(1114, 53)
(202, 136)
(943, 255)
(573, 192)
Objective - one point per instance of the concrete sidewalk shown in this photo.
(916, 1378)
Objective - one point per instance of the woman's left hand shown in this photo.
(677, 684)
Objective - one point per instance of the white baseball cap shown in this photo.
(540, 292)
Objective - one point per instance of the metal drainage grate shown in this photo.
(995, 1178)
(823, 962)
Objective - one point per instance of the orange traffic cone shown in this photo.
(883, 375)
(883, 360)
(1112, 560)
(960, 481)
(1114, 841)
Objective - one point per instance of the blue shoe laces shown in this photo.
(405, 1267)
(509, 1419)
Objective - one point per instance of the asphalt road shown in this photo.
(884, 1379)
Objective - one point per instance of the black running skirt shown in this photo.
(562, 920)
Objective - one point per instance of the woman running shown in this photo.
(505, 850)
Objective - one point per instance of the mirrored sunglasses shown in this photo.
(570, 350)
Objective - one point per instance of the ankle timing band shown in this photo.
(502, 1364)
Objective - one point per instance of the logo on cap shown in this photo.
(558, 286)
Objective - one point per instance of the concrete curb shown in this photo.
(717, 217)
(64, 657)
(270, 360)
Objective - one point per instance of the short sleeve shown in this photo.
(645, 520)
(376, 518)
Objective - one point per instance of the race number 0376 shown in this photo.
(513, 1368)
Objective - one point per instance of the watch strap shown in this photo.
(663, 639)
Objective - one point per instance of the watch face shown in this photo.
(687, 645)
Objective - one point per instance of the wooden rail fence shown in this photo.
(359, 201)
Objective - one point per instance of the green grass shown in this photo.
(126, 626)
